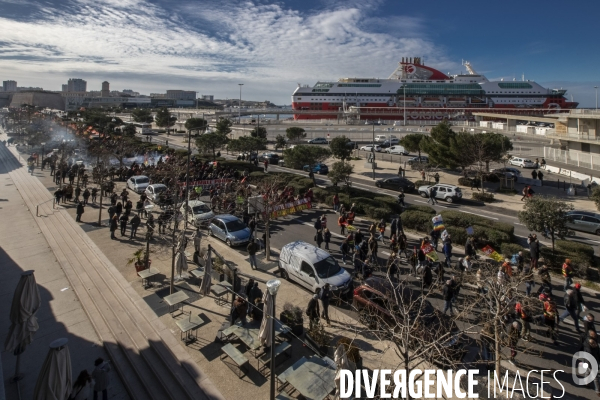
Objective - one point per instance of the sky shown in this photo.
(271, 47)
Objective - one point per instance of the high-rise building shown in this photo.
(105, 89)
(76, 85)
(208, 97)
(181, 94)
(9, 86)
(65, 88)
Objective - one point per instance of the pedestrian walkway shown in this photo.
(150, 361)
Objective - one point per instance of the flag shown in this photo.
(438, 223)
(491, 253)
(430, 251)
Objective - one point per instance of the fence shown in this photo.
(572, 157)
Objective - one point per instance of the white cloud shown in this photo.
(209, 44)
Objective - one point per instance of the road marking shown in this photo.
(469, 212)
(425, 202)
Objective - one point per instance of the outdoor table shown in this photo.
(198, 274)
(176, 300)
(227, 286)
(219, 291)
(314, 379)
(146, 275)
(248, 336)
(188, 326)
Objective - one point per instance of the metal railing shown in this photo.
(37, 208)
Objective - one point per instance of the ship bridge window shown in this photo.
(359, 85)
(514, 85)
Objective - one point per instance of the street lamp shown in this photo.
(273, 287)
(43, 144)
(240, 107)
(404, 87)
(596, 87)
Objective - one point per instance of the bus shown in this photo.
(143, 128)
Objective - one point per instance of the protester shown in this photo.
(114, 224)
(239, 311)
(570, 303)
(252, 249)
(325, 298)
(448, 294)
(568, 273)
(80, 211)
(101, 380)
(326, 238)
(83, 387)
(135, 223)
(312, 311)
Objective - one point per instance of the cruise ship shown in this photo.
(423, 93)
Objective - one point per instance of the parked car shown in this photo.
(397, 150)
(418, 160)
(509, 172)
(396, 183)
(448, 193)
(584, 221)
(380, 138)
(390, 142)
(229, 229)
(138, 183)
(312, 268)
(320, 169)
(369, 147)
(381, 305)
(272, 157)
(521, 162)
(153, 191)
(198, 212)
(319, 140)
(351, 144)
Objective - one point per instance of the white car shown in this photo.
(397, 150)
(370, 148)
(522, 162)
(138, 183)
(198, 213)
(449, 193)
(153, 191)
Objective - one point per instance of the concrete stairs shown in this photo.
(150, 360)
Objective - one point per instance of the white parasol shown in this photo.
(206, 279)
(341, 359)
(181, 265)
(55, 379)
(264, 334)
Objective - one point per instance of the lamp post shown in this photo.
(240, 107)
(404, 88)
(373, 152)
(596, 87)
(273, 287)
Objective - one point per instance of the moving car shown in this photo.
(312, 268)
(229, 229)
(584, 221)
(521, 162)
(369, 147)
(198, 213)
(272, 157)
(396, 183)
(319, 140)
(390, 142)
(448, 193)
(153, 191)
(138, 183)
(380, 305)
(397, 150)
(418, 160)
(509, 172)
(320, 169)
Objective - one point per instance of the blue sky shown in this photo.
(211, 46)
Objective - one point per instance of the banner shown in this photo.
(491, 253)
(282, 210)
(206, 183)
(430, 252)
(438, 223)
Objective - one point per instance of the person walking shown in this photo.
(336, 203)
(394, 227)
(248, 287)
(447, 250)
(101, 380)
(568, 272)
(580, 301)
(255, 292)
(319, 238)
(239, 310)
(312, 311)
(114, 224)
(135, 224)
(342, 223)
(381, 227)
(448, 294)
(514, 331)
(119, 209)
(77, 194)
(470, 248)
(590, 345)
(266, 165)
(252, 249)
(534, 251)
(150, 225)
(373, 247)
(523, 315)
(529, 280)
(325, 298)
(94, 195)
(86, 196)
(400, 199)
(80, 211)
(540, 176)
(252, 226)
(58, 195)
(124, 219)
(326, 238)
(422, 174)
(437, 178)
(400, 172)
(83, 387)
(550, 318)
(534, 174)
(570, 303)
(525, 193)
(432, 193)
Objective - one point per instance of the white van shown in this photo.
(397, 150)
(312, 268)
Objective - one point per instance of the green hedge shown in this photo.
(415, 219)
(420, 183)
(423, 209)
(508, 249)
(464, 220)
(583, 250)
(485, 197)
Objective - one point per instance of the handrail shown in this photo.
(37, 208)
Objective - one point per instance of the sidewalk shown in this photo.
(24, 247)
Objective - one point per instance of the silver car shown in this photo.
(138, 183)
(584, 221)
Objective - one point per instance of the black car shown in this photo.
(272, 157)
(396, 183)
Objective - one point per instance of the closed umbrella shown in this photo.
(341, 359)
(181, 265)
(264, 334)
(55, 380)
(23, 323)
(206, 280)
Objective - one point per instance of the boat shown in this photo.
(423, 93)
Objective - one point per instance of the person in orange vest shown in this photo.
(523, 314)
(342, 223)
(507, 267)
(550, 317)
(568, 272)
